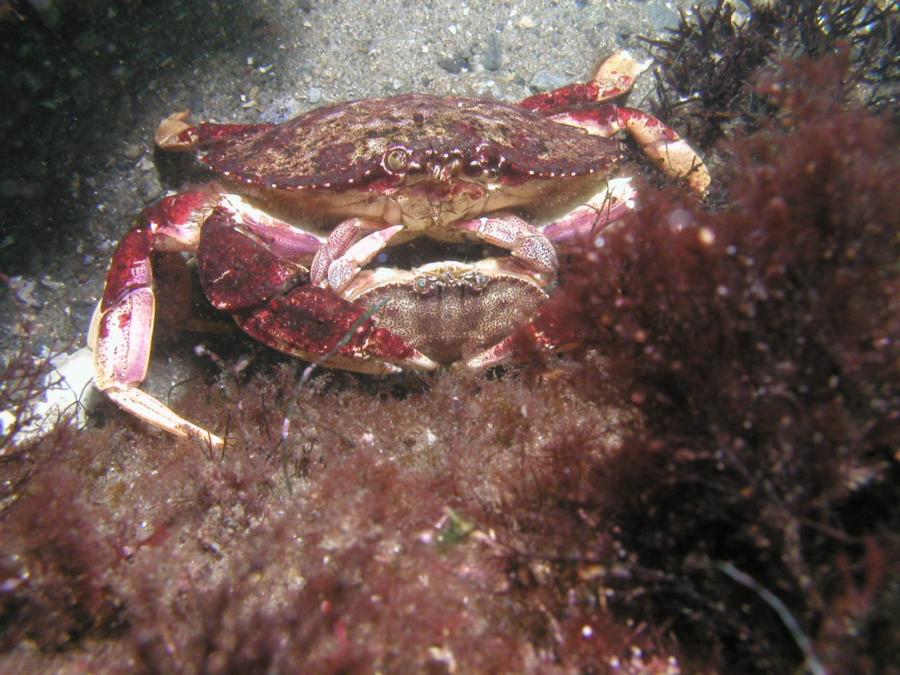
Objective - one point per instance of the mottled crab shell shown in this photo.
(347, 144)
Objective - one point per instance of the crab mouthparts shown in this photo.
(443, 172)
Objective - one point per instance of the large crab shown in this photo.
(283, 236)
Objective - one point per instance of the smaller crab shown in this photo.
(283, 237)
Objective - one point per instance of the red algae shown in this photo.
(759, 344)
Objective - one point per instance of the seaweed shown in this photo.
(709, 61)
(758, 344)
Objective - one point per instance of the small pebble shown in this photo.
(545, 80)
(526, 22)
(493, 55)
(456, 64)
(87, 41)
(661, 17)
(283, 109)
(24, 290)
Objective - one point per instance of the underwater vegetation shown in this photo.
(708, 484)
(713, 55)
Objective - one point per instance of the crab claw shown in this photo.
(617, 74)
(522, 239)
(318, 325)
(347, 266)
(174, 133)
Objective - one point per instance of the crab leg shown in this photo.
(610, 204)
(281, 238)
(341, 238)
(348, 265)
(256, 269)
(658, 141)
(175, 133)
(122, 325)
(547, 331)
(615, 77)
(535, 245)
(317, 324)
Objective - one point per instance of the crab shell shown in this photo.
(417, 160)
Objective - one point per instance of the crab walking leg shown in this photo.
(176, 134)
(122, 326)
(535, 245)
(610, 204)
(522, 239)
(613, 78)
(281, 238)
(228, 227)
(547, 331)
(660, 142)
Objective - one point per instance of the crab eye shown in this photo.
(421, 285)
(477, 280)
(396, 160)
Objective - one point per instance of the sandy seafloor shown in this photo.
(86, 83)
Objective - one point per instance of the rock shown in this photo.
(456, 64)
(493, 54)
(545, 80)
(24, 290)
(661, 17)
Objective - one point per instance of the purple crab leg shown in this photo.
(121, 333)
(615, 77)
(175, 133)
(122, 327)
(536, 245)
(587, 220)
(547, 331)
(660, 142)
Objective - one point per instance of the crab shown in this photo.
(284, 234)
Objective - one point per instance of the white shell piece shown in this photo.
(69, 392)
